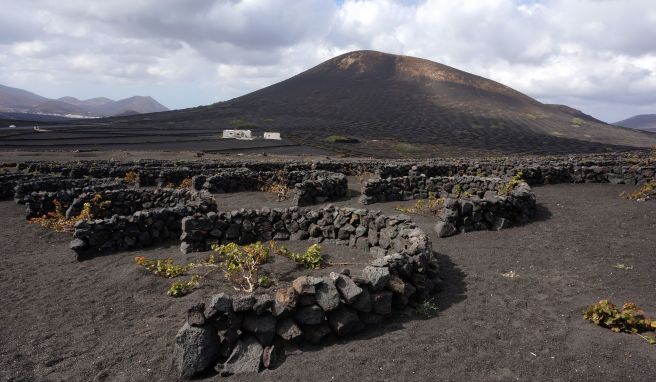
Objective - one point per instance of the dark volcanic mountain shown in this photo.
(365, 103)
(376, 96)
(643, 122)
(15, 100)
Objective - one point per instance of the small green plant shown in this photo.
(264, 281)
(311, 259)
(240, 264)
(130, 177)
(58, 222)
(431, 205)
(457, 190)
(340, 139)
(646, 191)
(427, 308)
(629, 319)
(512, 183)
(623, 266)
(183, 288)
(162, 267)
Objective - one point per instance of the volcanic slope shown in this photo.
(372, 95)
(642, 122)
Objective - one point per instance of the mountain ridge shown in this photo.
(15, 100)
(645, 122)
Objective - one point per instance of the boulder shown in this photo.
(309, 315)
(287, 329)
(315, 333)
(221, 302)
(196, 349)
(246, 357)
(363, 301)
(344, 321)
(346, 287)
(242, 303)
(377, 276)
(196, 315)
(262, 326)
(304, 285)
(327, 295)
(382, 303)
(444, 229)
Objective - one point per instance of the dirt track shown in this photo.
(104, 319)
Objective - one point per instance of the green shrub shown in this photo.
(311, 259)
(512, 183)
(182, 288)
(162, 267)
(423, 206)
(629, 319)
(240, 264)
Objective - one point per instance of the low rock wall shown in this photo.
(40, 203)
(123, 233)
(491, 212)
(56, 184)
(129, 201)
(419, 187)
(309, 187)
(244, 333)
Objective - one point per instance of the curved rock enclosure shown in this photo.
(238, 333)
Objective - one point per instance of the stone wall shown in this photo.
(39, 203)
(491, 212)
(124, 233)
(56, 184)
(243, 333)
(419, 187)
(142, 228)
(536, 172)
(129, 201)
(8, 183)
(309, 187)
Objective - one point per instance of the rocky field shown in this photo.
(513, 282)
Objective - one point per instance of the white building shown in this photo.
(275, 136)
(237, 134)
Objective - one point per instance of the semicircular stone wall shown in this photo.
(239, 333)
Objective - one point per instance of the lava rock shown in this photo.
(344, 321)
(196, 349)
(377, 276)
(346, 287)
(246, 357)
(288, 330)
(262, 326)
(327, 295)
(309, 315)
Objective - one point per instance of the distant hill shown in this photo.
(368, 103)
(384, 100)
(643, 122)
(15, 100)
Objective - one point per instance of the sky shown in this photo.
(595, 55)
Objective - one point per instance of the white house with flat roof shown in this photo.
(237, 134)
(272, 135)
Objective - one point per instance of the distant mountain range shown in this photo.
(13, 100)
(643, 122)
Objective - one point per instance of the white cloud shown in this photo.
(598, 55)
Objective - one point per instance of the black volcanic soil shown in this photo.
(105, 320)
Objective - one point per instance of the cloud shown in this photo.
(597, 55)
